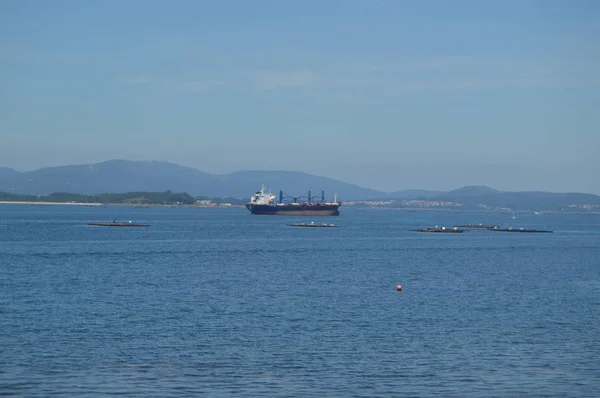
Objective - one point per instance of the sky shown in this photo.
(386, 94)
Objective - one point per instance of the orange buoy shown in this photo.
(399, 288)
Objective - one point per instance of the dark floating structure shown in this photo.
(313, 225)
(444, 230)
(519, 230)
(114, 223)
(482, 226)
(461, 228)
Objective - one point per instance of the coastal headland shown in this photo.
(15, 202)
(135, 199)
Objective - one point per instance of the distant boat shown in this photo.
(313, 225)
(510, 229)
(114, 223)
(482, 226)
(443, 230)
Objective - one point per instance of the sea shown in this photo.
(222, 303)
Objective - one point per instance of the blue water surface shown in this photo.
(219, 303)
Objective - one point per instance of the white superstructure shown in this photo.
(262, 197)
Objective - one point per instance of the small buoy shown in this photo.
(399, 288)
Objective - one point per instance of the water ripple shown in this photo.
(226, 304)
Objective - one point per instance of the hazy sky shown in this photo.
(387, 94)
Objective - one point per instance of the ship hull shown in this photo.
(313, 210)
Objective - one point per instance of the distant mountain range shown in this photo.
(118, 176)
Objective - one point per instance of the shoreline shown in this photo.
(95, 204)
(14, 202)
(354, 208)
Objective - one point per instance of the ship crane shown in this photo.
(295, 199)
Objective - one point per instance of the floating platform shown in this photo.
(313, 225)
(482, 226)
(444, 230)
(520, 230)
(117, 224)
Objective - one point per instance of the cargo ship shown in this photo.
(263, 202)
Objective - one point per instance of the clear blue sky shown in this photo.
(387, 94)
